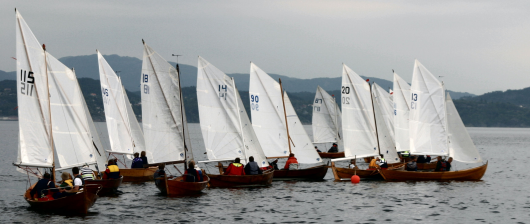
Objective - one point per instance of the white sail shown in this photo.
(427, 127)
(35, 148)
(327, 118)
(401, 113)
(125, 135)
(225, 126)
(384, 135)
(357, 116)
(387, 108)
(268, 119)
(162, 118)
(71, 131)
(461, 147)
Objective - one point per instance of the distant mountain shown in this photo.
(518, 97)
(130, 69)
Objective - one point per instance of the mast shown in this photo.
(375, 120)
(239, 117)
(49, 110)
(285, 115)
(182, 119)
(336, 118)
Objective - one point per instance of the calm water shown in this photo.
(502, 196)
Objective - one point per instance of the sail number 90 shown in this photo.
(254, 100)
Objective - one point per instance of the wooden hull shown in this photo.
(426, 166)
(138, 174)
(347, 173)
(108, 186)
(331, 154)
(313, 173)
(77, 204)
(260, 180)
(473, 174)
(177, 187)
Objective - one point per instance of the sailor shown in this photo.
(252, 167)
(137, 161)
(333, 148)
(78, 180)
(87, 173)
(144, 158)
(374, 164)
(421, 159)
(352, 164)
(411, 165)
(316, 148)
(40, 188)
(405, 154)
(292, 163)
(382, 163)
(112, 171)
(443, 165)
(159, 173)
(192, 175)
(235, 168)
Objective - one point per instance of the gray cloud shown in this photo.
(477, 46)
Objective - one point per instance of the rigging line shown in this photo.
(48, 131)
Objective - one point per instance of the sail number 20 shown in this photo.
(254, 100)
(27, 82)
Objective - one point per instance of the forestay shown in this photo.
(461, 147)
(401, 113)
(225, 126)
(71, 131)
(327, 118)
(34, 147)
(427, 127)
(268, 119)
(386, 141)
(120, 118)
(162, 113)
(357, 116)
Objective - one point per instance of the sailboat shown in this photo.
(279, 129)
(436, 128)
(51, 117)
(125, 135)
(226, 128)
(167, 139)
(326, 123)
(365, 132)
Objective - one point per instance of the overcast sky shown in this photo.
(477, 46)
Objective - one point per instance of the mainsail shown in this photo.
(358, 123)
(225, 125)
(35, 146)
(268, 119)
(461, 147)
(384, 132)
(163, 116)
(387, 110)
(401, 113)
(327, 118)
(427, 127)
(119, 116)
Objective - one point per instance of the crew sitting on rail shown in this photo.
(374, 164)
(39, 190)
(192, 175)
(78, 179)
(411, 165)
(144, 158)
(159, 173)
(292, 163)
(65, 187)
(137, 161)
(443, 165)
(252, 167)
(333, 148)
(235, 168)
(382, 163)
(87, 173)
(112, 171)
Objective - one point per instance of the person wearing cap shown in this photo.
(235, 168)
(411, 165)
(252, 167)
(316, 148)
(333, 148)
(291, 160)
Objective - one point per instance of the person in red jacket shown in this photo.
(290, 160)
(235, 168)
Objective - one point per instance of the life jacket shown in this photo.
(253, 168)
(114, 172)
(405, 154)
(443, 166)
(289, 161)
(87, 174)
(235, 169)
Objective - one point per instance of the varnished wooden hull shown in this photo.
(331, 154)
(77, 204)
(177, 187)
(426, 166)
(108, 186)
(259, 180)
(313, 173)
(473, 174)
(347, 173)
(138, 174)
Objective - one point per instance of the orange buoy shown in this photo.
(355, 179)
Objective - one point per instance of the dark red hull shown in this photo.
(77, 204)
(313, 173)
(227, 181)
(177, 187)
(108, 186)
